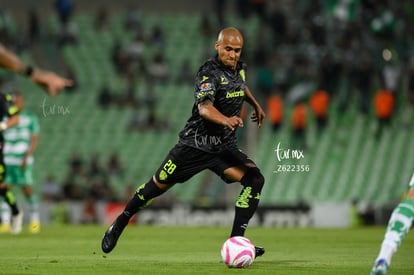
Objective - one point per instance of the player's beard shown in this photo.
(232, 63)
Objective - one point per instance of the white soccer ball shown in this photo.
(238, 252)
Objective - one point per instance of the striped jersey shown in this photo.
(18, 138)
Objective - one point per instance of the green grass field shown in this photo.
(192, 250)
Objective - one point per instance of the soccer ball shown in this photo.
(238, 252)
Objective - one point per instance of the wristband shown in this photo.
(3, 126)
(28, 71)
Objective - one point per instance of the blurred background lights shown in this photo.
(386, 54)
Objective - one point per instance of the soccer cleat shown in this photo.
(34, 227)
(17, 223)
(259, 251)
(111, 236)
(5, 228)
(380, 267)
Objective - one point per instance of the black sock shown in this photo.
(142, 198)
(246, 203)
(10, 200)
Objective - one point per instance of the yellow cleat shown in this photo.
(5, 228)
(34, 227)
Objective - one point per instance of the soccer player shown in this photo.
(10, 110)
(208, 140)
(399, 224)
(20, 143)
(52, 84)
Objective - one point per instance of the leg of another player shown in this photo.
(399, 224)
(34, 226)
(5, 226)
(17, 215)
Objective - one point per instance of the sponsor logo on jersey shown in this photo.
(223, 80)
(203, 94)
(235, 94)
(205, 87)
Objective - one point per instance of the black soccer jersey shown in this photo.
(7, 109)
(225, 88)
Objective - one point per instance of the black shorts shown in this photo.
(183, 162)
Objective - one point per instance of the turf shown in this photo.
(193, 250)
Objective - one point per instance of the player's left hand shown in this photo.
(50, 81)
(258, 116)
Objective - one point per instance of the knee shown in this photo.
(161, 186)
(253, 177)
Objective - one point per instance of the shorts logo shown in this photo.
(205, 87)
(167, 169)
(163, 175)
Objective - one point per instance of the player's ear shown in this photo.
(216, 46)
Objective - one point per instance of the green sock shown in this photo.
(398, 226)
(34, 208)
(400, 221)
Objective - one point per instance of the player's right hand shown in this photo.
(233, 122)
